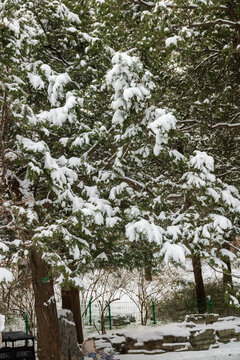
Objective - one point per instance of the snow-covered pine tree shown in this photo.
(167, 198)
(49, 197)
(205, 216)
(192, 50)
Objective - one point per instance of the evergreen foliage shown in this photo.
(119, 129)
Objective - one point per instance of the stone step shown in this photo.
(146, 352)
(176, 346)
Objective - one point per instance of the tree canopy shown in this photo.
(119, 128)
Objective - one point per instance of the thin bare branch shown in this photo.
(225, 125)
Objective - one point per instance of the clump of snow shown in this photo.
(175, 252)
(5, 275)
(203, 167)
(172, 40)
(202, 162)
(63, 312)
(63, 11)
(221, 223)
(144, 228)
(131, 85)
(56, 84)
(36, 81)
(46, 70)
(29, 145)
(161, 127)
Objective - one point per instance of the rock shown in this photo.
(202, 318)
(103, 344)
(118, 343)
(225, 335)
(123, 349)
(130, 342)
(176, 346)
(153, 344)
(139, 345)
(201, 340)
(146, 352)
(70, 347)
(174, 339)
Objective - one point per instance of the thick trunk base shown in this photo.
(71, 301)
(49, 344)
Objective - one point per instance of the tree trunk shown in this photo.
(103, 328)
(145, 315)
(200, 292)
(148, 272)
(71, 301)
(49, 343)
(227, 277)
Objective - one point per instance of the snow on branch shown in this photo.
(216, 22)
(225, 125)
(137, 184)
(151, 4)
(175, 252)
(152, 232)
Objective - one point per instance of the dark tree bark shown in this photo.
(71, 301)
(227, 277)
(200, 292)
(148, 273)
(49, 343)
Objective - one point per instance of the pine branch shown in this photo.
(205, 60)
(49, 42)
(137, 184)
(216, 22)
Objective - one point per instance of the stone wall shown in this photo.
(197, 332)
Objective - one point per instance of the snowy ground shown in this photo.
(229, 351)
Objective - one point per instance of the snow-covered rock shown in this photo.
(68, 334)
(175, 336)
